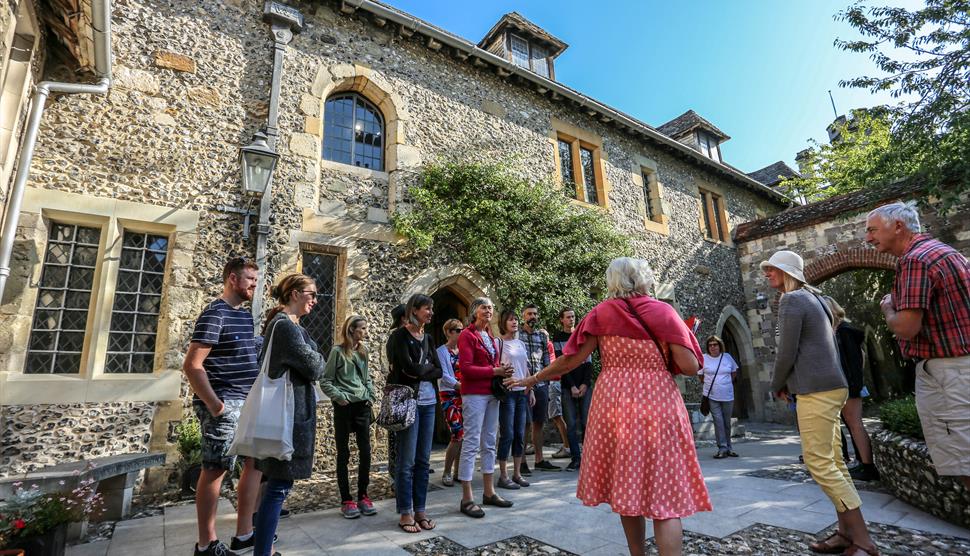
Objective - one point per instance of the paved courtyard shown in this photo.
(751, 516)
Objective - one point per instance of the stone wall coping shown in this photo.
(825, 210)
(97, 469)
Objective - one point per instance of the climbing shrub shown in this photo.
(531, 243)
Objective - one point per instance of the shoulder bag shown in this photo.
(705, 401)
(668, 362)
(265, 427)
(399, 407)
(498, 383)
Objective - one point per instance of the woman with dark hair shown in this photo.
(449, 393)
(807, 365)
(346, 381)
(478, 355)
(293, 352)
(515, 406)
(717, 380)
(414, 364)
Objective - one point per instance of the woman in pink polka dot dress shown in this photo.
(639, 455)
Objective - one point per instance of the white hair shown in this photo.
(473, 308)
(627, 277)
(899, 212)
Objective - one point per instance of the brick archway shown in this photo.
(827, 266)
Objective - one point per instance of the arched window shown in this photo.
(353, 131)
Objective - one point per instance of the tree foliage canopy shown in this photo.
(930, 134)
(531, 243)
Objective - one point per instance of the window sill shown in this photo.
(584, 204)
(719, 242)
(657, 227)
(21, 389)
(355, 170)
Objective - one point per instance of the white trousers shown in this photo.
(480, 420)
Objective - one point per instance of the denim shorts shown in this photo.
(217, 434)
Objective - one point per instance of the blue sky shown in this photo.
(760, 70)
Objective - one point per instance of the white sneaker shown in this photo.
(562, 453)
(447, 479)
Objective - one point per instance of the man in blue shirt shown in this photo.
(221, 366)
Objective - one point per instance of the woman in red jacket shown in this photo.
(478, 359)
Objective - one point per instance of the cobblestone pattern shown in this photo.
(515, 546)
(907, 471)
(798, 473)
(36, 436)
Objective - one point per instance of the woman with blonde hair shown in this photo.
(639, 454)
(449, 394)
(807, 365)
(347, 382)
(292, 351)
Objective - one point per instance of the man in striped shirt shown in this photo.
(221, 366)
(929, 312)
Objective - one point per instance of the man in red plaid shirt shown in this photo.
(929, 312)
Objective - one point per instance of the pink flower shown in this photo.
(19, 524)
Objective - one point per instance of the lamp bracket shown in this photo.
(247, 213)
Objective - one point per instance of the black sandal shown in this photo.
(496, 500)
(824, 547)
(409, 527)
(430, 524)
(471, 509)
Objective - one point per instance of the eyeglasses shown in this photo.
(314, 292)
(713, 345)
(455, 329)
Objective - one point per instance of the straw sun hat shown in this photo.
(788, 262)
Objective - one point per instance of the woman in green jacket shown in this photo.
(346, 381)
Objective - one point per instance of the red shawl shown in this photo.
(613, 318)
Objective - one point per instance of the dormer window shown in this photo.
(708, 145)
(529, 56)
(523, 43)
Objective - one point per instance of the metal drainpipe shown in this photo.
(101, 24)
(285, 22)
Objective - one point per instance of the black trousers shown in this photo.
(352, 418)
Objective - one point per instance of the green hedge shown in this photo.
(900, 416)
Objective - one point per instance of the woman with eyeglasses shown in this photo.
(717, 377)
(449, 394)
(292, 352)
(514, 408)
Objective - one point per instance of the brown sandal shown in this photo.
(854, 548)
(825, 547)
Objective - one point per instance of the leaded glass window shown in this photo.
(353, 131)
(138, 300)
(520, 52)
(566, 167)
(63, 300)
(589, 176)
(322, 320)
(651, 204)
(539, 63)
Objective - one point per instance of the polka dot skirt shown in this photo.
(639, 454)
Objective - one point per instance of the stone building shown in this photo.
(133, 200)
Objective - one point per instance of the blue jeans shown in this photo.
(413, 461)
(268, 515)
(575, 411)
(511, 419)
(721, 413)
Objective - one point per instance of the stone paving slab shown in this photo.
(547, 514)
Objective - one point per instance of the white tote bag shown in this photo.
(265, 428)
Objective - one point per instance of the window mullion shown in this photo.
(578, 179)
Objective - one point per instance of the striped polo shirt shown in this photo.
(232, 364)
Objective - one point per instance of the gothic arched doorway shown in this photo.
(448, 304)
(733, 329)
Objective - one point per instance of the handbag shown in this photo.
(705, 401)
(399, 407)
(668, 361)
(498, 383)
(265, 428)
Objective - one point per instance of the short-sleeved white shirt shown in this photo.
(719, 389)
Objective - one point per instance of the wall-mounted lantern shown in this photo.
(258, 160)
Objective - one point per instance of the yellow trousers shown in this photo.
(820, 429)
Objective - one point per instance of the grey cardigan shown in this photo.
(294, 351)
(807, 360)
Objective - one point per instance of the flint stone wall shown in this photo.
(169, 138)
(907, 470)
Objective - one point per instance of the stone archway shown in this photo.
(734, 326)
(461, 279)
(827, 266)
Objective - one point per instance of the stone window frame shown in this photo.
(721, 228)
(374, 86)
(580, 138)
(660, 222)
(93, 385)
(15, 96)
(340, 294)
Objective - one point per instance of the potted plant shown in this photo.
(188, 437)
(36, 521)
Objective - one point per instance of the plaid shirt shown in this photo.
(537, 350)
(934, 277)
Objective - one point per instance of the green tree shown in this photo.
(852, 162)
(931, 127)
(530, 242)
